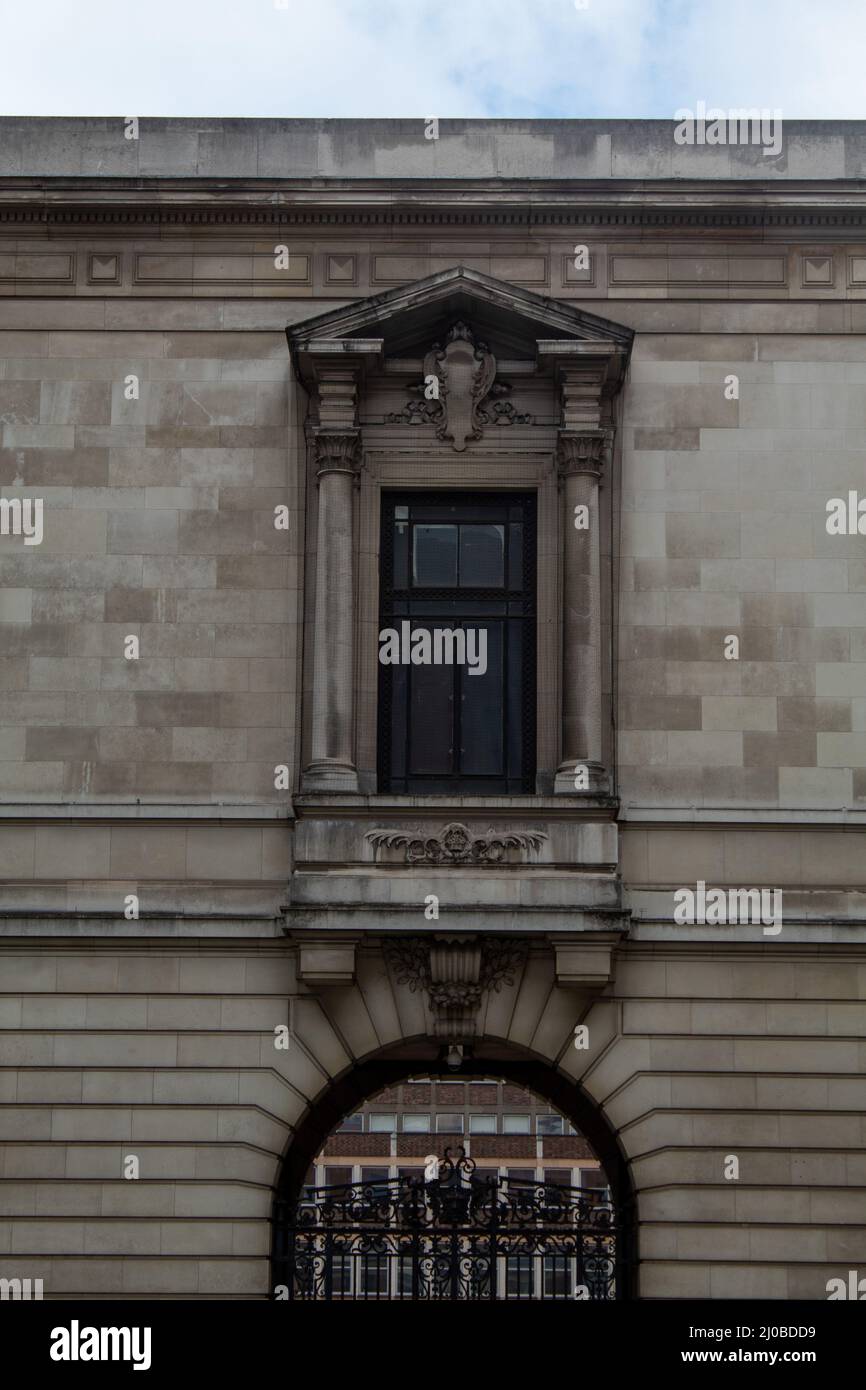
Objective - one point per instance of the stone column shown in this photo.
(588, 372)
(579, 464)
(332, 370)
(332, 767)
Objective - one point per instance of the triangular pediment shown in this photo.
(406, 319)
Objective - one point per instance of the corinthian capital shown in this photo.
(583, 451)
(336, 450)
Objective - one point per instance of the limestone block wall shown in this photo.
(166, 1055)
(219, 868)
(158, 523)
(816, 867)
(165, 1051)
(724, 511)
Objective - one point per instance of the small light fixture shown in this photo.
(455, 1057)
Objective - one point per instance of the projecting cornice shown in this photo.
(833, 207)
(168, 173)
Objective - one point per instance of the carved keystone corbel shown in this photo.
(454, 972)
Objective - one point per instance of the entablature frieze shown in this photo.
(836, 207)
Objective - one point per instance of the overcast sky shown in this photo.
(431, 57)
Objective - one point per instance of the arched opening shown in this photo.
(512, 1218)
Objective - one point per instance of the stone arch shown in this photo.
(364, 1079)
(525, 1035)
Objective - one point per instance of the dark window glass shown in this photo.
(549, 1124)
(434, 556)
(557, 1282)
(341, 1276)
(374, 1276)
(376, 1179)
(515, 556)
(398, 733)
(452, 506)
(482, 557)
(457, 705)
(517, 696)
(482, 739)
(401, 548)
(449, 1124)
(337, 1177)
(518, 1277)
(432, 700)
(482, 1124)
(593, 1177)
(558, 1177)
(416, 1124)
(382, 1124)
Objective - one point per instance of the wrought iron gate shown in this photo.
(464, 1235)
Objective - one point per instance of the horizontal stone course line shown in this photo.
(222, 1145)
(778, 1188)
(752, 1113)
(265, 1032)
(772, 1154)
(754, 1267)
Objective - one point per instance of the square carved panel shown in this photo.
(103, 268)
(341, 268)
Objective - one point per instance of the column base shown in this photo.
(329, 775)
(594, 783)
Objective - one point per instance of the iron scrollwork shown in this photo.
(464, 1234)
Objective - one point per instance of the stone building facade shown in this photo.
(217, 340)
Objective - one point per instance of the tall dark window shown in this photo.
(459, 714)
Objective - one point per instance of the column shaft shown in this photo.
(333, 765)
(580, 467)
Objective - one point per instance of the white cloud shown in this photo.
(370, 58)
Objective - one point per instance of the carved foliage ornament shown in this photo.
(454, 972)
(464, 375)
(456, 844)
(336, 450)
(582, 452)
